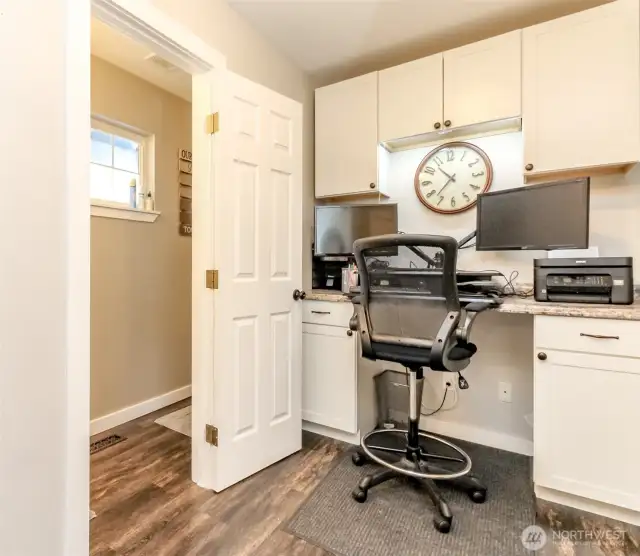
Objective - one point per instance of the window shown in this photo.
(119, 155)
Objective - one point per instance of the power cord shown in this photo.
(509, 289)
(422, 406)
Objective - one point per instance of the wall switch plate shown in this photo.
(504, 392)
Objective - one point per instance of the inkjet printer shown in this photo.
(596, 280)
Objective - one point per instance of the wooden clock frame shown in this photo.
(446, 146)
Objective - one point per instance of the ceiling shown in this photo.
(354, 36)
(126, 53)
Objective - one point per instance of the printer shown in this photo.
(588, 280)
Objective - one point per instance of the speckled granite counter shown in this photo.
(528, 306)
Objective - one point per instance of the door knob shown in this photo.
(528, 167)
(542, 356)
(437, 125)
(372, 185)
(349, 333)
(298, 294)
(447, 123)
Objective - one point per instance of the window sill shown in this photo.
(122, 212)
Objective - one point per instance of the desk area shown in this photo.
(586, 374)
(525, 306)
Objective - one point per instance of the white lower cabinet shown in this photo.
(329, 379)
(587, 410)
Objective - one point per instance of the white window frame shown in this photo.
(121, 211)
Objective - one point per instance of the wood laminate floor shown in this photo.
(146, 503)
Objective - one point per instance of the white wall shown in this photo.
(37, 458)
(506, 341)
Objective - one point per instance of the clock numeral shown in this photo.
(450, 155)
(463, 155)
(438, 161)
(430, 170)
(453, 202)
(466, 197)
(477, 174)
(425, 183)
(473, 186)
(474, 163)
(441, 199)
(432, 192)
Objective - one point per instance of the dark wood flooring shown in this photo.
(146, 503)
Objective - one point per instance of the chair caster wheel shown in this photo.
(359, 495)
(478, 496)
(442, 525)
(358, 459)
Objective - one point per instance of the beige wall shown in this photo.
(249, 54)
(140, 272)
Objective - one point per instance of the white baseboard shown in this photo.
(132, 412)
(322, 430)
(478, 435)
(593, 506)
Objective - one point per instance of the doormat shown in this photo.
(397, 519)
(105, 443)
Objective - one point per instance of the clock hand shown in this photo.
(445, 185)
(453, 178)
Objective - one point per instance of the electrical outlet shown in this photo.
(504, 392)
(448, 382)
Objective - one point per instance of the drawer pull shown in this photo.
(321, 312)
(599, 337)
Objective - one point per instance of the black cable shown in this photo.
(446, 391)
(509, 285)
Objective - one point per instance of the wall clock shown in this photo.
(450, 177)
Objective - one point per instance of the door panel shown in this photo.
(257, 337)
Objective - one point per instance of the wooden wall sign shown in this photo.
(185, 177)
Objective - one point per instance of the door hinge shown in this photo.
(212, 279)
(211, 434)
(213, 123)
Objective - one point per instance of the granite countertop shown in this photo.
(527, 306)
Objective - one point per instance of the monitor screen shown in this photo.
(548, 216)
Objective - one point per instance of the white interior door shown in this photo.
(254, 397)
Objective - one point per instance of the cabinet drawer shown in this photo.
(332, 313)
(603, 336)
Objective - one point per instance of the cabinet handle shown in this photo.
(349, 333)
(437, 125)
(372, 185)
(542, 356)
(447, 123)
(599, 337)
(528, 167)
(321, 312)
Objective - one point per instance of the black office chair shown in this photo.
(409, 312)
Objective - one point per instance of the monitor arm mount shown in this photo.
(466, 239)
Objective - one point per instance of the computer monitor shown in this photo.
(542, 217)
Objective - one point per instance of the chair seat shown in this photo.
(412, 356)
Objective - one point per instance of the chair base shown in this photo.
(420, 462)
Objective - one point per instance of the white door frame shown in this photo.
(140, 20)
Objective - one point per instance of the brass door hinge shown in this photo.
(212, 279)
(211, 434)
(213, 123)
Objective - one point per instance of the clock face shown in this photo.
(450, 177)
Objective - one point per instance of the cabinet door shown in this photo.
(586, 414)
(347, 137)
(483, 81)
(410, 98)
(581, 85)
(329, 394)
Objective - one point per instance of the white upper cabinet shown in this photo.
(581, 90)
(410, 98)
(346, 118)
(483, 81)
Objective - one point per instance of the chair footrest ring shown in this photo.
(410, 472)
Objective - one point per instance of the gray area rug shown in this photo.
(396, 519)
